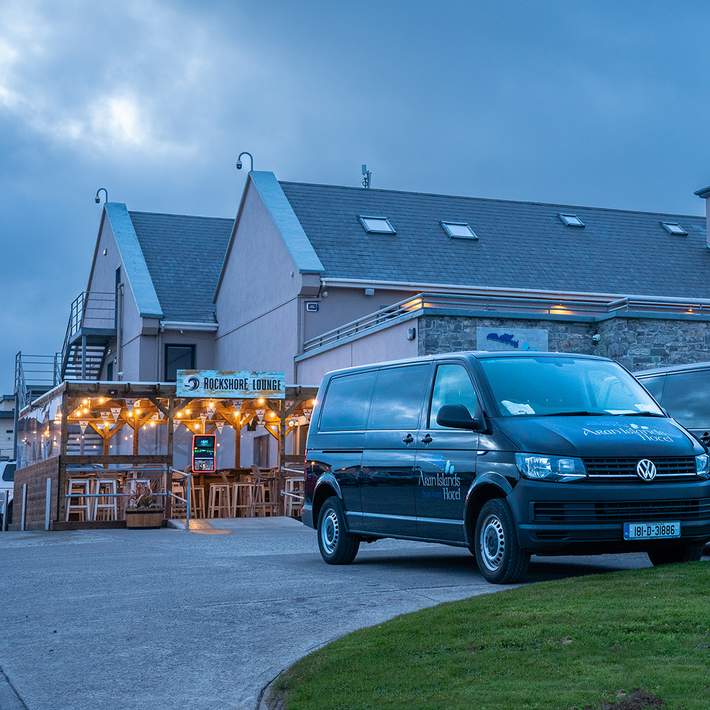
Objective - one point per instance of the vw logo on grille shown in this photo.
(646, 470)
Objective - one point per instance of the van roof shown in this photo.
(673, 368)
(469, 354)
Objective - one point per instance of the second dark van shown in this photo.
(508, 454)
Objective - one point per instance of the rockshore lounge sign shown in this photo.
(227, 384)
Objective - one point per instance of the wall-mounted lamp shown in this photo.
(251, 159)
(97, 199)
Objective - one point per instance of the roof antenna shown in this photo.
(366, 177)
(239, 161)
(97, 199)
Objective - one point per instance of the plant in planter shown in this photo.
(144, 509)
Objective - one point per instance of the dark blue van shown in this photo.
(507, 454)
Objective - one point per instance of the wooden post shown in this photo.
(63, 444)
(280, 508)
(169, 473)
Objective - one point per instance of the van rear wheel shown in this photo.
(498, 554)
(667, 554)
(337, 546)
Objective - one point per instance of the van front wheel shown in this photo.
(666, 554)
(498, 554)
(337, 546)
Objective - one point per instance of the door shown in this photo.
(388, 479)
(446, 458)
(336, 445)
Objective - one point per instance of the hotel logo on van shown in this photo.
(231, 384)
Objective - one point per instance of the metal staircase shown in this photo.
(91, 326)
(34, 375)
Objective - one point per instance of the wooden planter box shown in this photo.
(144, 518)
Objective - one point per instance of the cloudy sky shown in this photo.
(598, 102)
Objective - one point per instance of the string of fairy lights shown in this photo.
(107, 417)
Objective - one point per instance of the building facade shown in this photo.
(307, 278)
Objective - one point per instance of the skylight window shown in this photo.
(674, 228)
(377, 225)
(459, 230)
(571, 220)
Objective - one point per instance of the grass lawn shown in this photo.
(576, 643)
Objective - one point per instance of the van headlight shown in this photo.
(550, 468)
(702, 465)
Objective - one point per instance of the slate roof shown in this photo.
(184, 256)
(520, 245)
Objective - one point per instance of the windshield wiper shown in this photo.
(574, 413)
(639, 414)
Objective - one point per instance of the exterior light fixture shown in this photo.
(251, 159)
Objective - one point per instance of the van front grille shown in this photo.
(625, 468)
(583, 512)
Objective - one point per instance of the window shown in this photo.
(377, 225)
(178, 357)
(571, 220)
(9, 473)
(261, 451)
(399, 397)
(459, 230)
(347, 402)
(655, 386)
(686, 399)
(675, 229)
(452, 386)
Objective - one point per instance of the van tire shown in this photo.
(337, 546)
(498, 554)
(677, 552)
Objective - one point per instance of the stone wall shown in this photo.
(637, 343)
(640, 343)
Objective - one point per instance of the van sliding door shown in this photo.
(388, 479)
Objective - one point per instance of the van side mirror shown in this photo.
(456, 416)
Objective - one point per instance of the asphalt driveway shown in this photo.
(167, 619)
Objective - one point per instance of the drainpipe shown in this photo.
(704, 193)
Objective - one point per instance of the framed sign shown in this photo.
(231, 384)
(504, 338)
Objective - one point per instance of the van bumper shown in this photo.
(307, 515)
(584, 517)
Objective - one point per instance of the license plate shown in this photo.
(651, 531)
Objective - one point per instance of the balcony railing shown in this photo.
(545, 305)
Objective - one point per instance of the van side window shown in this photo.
(399, 397)
(655, 386)
(685, 397)
(347, 402)
(452, 386)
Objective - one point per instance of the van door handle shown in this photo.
(408, 439)
(426, 439)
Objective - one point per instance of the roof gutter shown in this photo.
(188, 325)
(513, 292)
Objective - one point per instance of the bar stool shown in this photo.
(220, 505)
(242, 494)
(108, 488)
(78, 490)
(292, 506)
(197, 501)
(262, 502)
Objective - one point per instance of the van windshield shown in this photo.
(565, 386)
